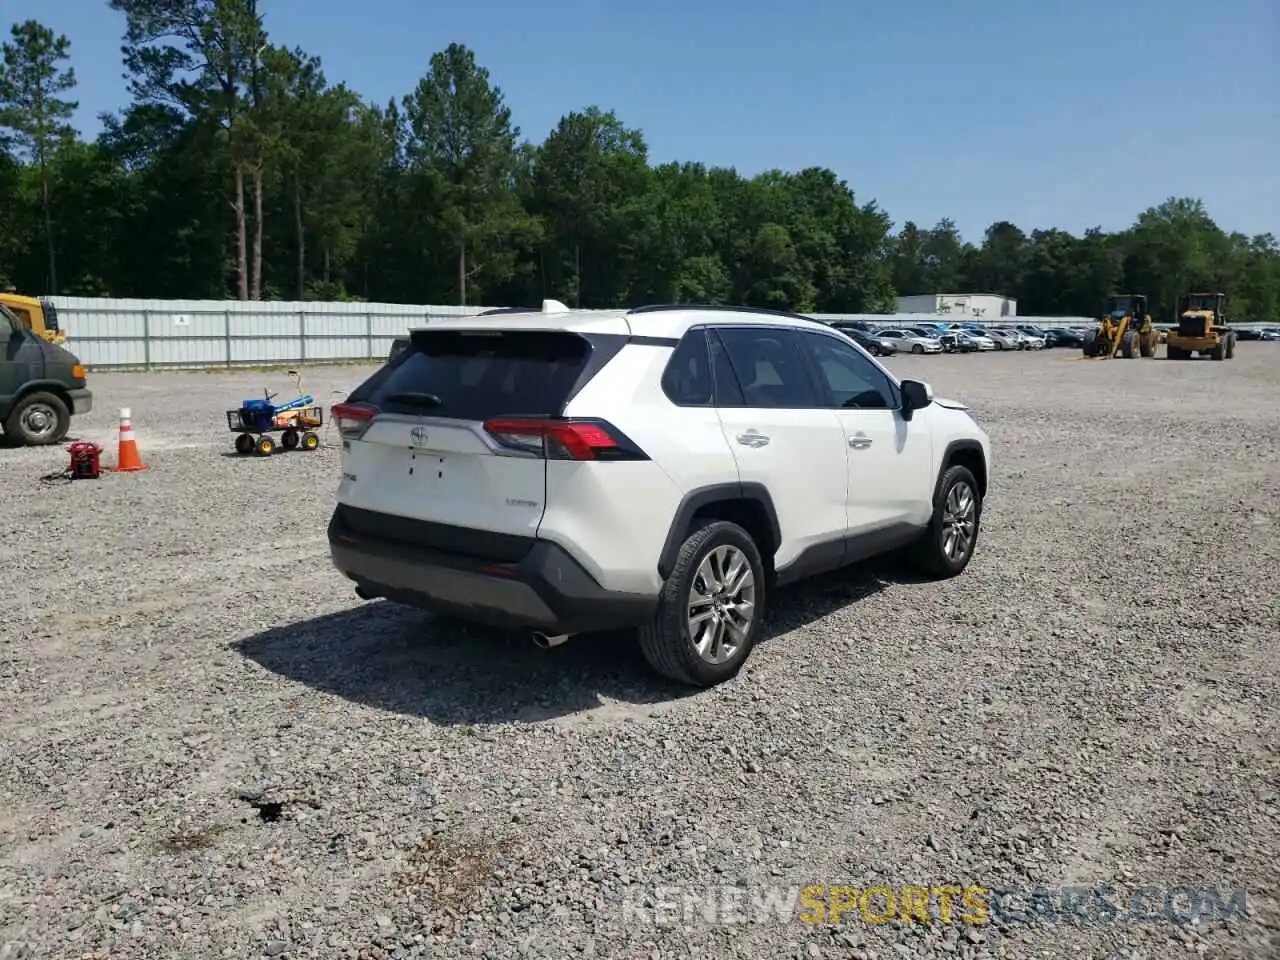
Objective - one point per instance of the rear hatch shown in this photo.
(416, 444)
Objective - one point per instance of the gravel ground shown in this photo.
(210, 748)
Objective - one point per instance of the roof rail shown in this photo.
(664, 307)
(497, 310)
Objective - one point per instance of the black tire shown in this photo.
(38, 420)
(265, 446)
(244, 444)
(1087, 348)
(1231, 345)
(666, 641)
(916, 348)
(930, 555)
(1219, 352)
(1128, 344)
(289, 439)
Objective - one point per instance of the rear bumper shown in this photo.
(545, 590)
(81, 401)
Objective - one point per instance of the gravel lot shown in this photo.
(211, 748)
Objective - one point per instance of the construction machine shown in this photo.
(37, 314)
(1202, 328)
(1126, 329)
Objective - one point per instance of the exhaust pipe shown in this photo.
(546, 642)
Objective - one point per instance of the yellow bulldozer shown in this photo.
(1126, 329)
(1202, 328)
(38, 314)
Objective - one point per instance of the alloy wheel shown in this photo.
(722, 604)
(959, 514)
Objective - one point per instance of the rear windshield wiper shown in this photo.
(414, 399)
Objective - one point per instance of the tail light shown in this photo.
(564, 439)
(352, 419)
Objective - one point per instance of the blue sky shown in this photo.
(1063, 113)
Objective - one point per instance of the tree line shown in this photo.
(239, 169)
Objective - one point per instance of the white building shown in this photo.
(972, 306)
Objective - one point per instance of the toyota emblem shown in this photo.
(419, 435)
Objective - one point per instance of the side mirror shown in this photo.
(916, 395)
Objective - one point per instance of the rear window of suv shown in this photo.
(476, 375)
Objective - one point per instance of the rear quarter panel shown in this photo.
(622, 512)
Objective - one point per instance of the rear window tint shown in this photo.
(475, 375)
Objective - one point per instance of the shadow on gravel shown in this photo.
(407, 661)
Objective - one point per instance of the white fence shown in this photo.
(149, 334)
(145, 334)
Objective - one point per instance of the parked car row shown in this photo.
(1258, 333)
(885, 339)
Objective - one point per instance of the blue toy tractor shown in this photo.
(296, 421)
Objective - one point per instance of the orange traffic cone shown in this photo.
(127, 457)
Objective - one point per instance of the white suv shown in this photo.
(662, 468)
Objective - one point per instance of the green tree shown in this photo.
(33, 116)
(463, 143)
(202, 57)
(944, 258)
(844, 246)
(11, 238)
(1001, 263)
(677, 225)
(1174, 248)
(583, 177)
(172, 231)
(907, 261)
(313, 139)
(1255, 295)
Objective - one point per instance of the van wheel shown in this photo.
(947, 546)
(710, 611)
(38, 419)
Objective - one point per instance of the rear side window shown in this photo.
(687, 380)
(476, 375)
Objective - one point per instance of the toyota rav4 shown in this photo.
(662, 469)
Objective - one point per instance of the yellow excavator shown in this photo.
(38, 314)
(1126, 329)
(1202, 328)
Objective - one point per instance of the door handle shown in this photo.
(752, 439)
(859, 442)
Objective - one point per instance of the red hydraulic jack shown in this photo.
(86, 464)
